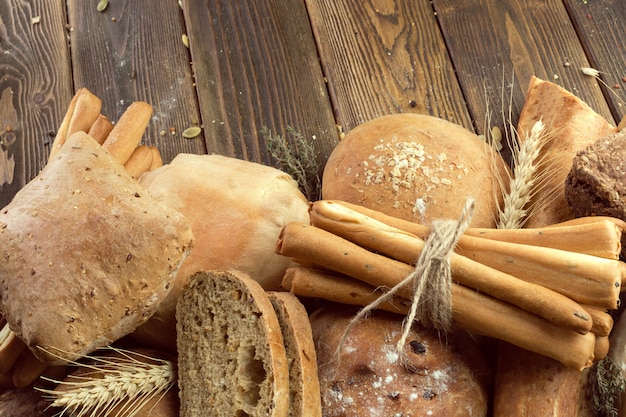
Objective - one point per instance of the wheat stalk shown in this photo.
(523, 183)
(127, 382)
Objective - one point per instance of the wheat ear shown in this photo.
(523, 183)
(127, 382)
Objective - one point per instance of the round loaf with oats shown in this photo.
(415, 167)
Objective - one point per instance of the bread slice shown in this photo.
(304, 395)
(231, 355)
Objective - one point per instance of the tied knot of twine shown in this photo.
(430, 280)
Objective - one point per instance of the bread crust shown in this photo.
(437, 376)
(236, 209)
(305, 398)
(571, 125)
(231, 354)
(88, 254)
(415, 167)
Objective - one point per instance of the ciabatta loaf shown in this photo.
(88, 254)
(231, 355)
(304, 395)
(236, 209)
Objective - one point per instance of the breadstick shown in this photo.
(473, 311)
(315, 283)
(157, 161)
(139, 161)
(402, 246)
(602, 348)
(10, 348)
(127, 132)
(598, 236)
(81, 114)
(100, 129)
(27, 369)
(602, 321)
(582, 278)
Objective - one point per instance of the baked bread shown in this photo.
(438, 376)
(596, 183)
(304, 395)
(529, 384)
(88, 254)
(231, 355)
(417, 168)
(236, 209)
(571, 125)
(25, 402)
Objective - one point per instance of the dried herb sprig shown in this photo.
(295, 155)
(606, 385)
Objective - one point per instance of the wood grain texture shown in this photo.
(497, 47)
(383, 57)
(35, 87)
(256, 66)
(601, 25)
(133, 51)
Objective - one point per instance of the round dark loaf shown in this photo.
(438, 375)
(596, 184)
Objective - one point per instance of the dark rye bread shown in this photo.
(231, 355)
(304, 395)
(596, 184)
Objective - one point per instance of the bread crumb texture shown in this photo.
(225, 362)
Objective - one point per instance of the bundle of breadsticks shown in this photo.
(18, 365)
(546, 290)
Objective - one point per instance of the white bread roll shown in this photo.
(236, 209)
(417, 168)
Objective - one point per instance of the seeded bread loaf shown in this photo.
(304, 395)
(231, 355)
(88, 254)
(437, 375)
(417, 168)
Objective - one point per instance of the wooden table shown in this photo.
(317, 66)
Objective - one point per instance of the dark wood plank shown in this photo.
(601, 25)
(134, 51)
(256, 66)
(383, 57)
(498, 46)
(35, 87)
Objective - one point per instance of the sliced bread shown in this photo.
(304, 395)
(231, 355)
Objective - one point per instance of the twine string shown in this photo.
(431, 280)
